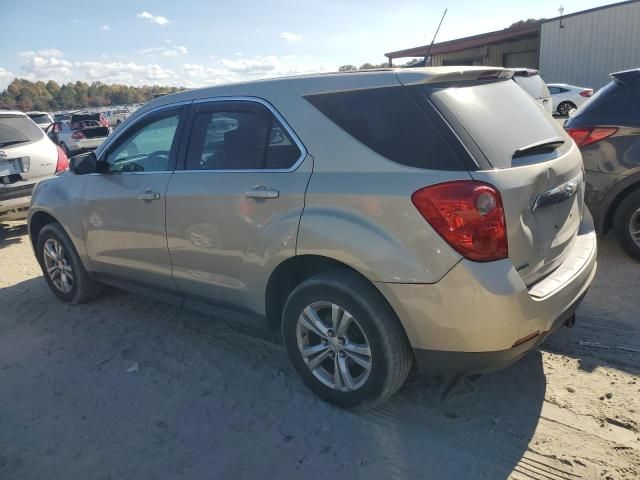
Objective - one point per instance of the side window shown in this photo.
(390, 122)
(554, 90)
(147, 149)
(239, 136)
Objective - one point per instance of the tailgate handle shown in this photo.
(557, 195)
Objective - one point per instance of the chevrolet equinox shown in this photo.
(427, 218)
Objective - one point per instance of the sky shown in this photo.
(196, 43)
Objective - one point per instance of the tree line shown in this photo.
(22, 94)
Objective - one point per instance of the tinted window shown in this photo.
(41, 118)
(499, 117)
(533, 85)
(239, 137)
(18, 130)
(389, 122)
(614, 104)
(147, 149)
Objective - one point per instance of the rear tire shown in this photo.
(565, 107)
(371, 337)
(626, 222)
(62, 267)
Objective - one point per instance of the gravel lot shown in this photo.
(209, 401)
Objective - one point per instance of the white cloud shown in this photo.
(51, 52)
(6, 77)
(290, 37)
(46, 65)
(240, 69)
(160, 20)
(173, 51)
(129, 73)
(106, 28)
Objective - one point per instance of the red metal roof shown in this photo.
(469, 42)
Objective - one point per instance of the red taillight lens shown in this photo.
(468, 215)
(63, 161)
(77, 135)
(587, 136)
(586, 93)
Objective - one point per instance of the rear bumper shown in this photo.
(15, 201)
(483, 312)
(86, 144)
(434, 362)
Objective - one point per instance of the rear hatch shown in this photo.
(25, 152)
(89, 128)
(522, 152)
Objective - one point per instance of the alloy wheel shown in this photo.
(57, 265)
(334, 346)
(634, 227)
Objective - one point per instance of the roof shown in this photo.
(469, 42)
(321, 83)
(627, 77)
(12, 113)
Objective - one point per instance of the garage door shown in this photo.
(521, 59)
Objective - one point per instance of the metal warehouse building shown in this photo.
(581, 48)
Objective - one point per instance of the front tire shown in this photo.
(627, 224)
(345, 341)
(62, 267)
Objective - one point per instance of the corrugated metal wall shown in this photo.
(469, 53)
(590, 46)
(492, 55)
(496, 52)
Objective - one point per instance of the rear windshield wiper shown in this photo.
(539, 147)
(12, 142)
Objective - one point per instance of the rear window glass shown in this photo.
(613, 104)
(533, 85)
(389, 122)
(42, 118)
(18, 130)
(499, 117)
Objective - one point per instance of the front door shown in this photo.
(233, 211)
(124, 208)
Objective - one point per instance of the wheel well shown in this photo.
(611, 211)
(291, 273)
(37, 223)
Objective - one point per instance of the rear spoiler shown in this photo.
(626, 77)
(524, 72)
(420, 76)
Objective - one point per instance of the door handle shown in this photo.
(262, 192)
(148, 195)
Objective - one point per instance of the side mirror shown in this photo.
(84, 163)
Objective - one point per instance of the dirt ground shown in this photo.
(208, 401)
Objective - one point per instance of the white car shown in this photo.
(42, 119)
(26, 157)
(116, 116)
(568, 97)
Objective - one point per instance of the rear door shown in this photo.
(534, 164)
(124, 208)
(233, 211)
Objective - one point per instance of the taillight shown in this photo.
(587, 136)
(468, 215)
(63, 161)
(77, 135)
(587, 92)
